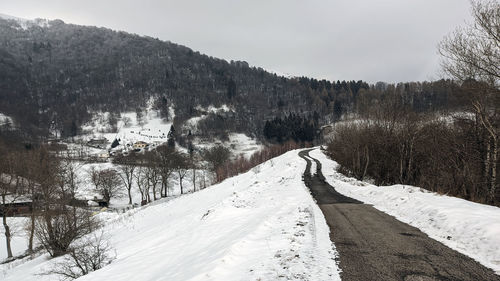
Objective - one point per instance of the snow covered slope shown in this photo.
(261, 225)
(467, 227)
(4, 119)
(149, 128)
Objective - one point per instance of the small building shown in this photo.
(101, 202)
(98, 143)
(140, 145)
(104, 155)
(22, 208)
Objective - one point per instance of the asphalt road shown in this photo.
(375, 246)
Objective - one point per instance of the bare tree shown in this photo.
(126, 121)
(193, 164)
(127, 166)
(57, 226)
(166, 163)
(152, 174)
(106, 182)
(68, 179)
(89, 254)
(216, 156)
(153, 179)
(8, 194)
(471, 55)
(57, 234)
(472, 52)
(182, 167)
(141, 183)
(30, 170)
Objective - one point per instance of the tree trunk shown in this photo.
(7, 229)
(487, 162)
(142, 195)
(129, 195)
(107, 196)
(194, 180)
(367, 154)
(180, 183)
(410, 162)
(401, 160)
(32, 230)
(493, 180)
(50, 232)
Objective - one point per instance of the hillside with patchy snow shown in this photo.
(261, 225)
(149, 127)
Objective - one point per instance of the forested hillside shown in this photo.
(54, 76)
(455, 154)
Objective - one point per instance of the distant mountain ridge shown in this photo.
(25, 23)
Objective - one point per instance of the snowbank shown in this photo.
(261, 225)
(470, 228)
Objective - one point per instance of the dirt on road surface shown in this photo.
(375, 246)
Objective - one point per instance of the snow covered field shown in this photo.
(238, 144)
(153, 129)
(261, 225)
(192, 123)
(149, 127)
(470, 228)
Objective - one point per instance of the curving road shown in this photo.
(375, 246)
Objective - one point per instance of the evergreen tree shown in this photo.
(115, 143)
(171, 137)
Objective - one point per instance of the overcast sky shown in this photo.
(372, 40)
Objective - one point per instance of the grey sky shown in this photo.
(372, 40)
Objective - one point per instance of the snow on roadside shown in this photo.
(261, 225)
(467, 227)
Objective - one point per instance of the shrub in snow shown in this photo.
(89, 254)
(56, 232)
